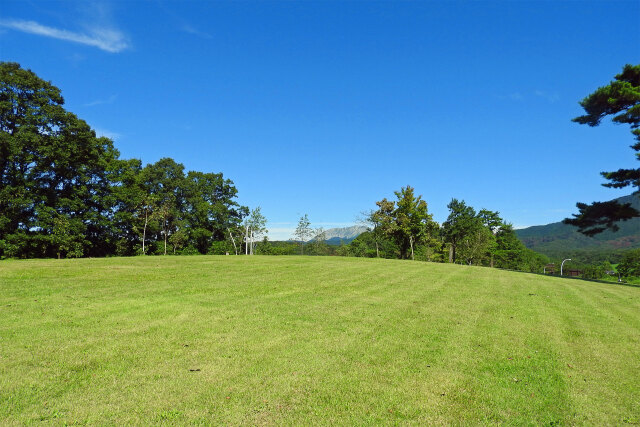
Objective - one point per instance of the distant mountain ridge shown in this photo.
(557, 237)
(334, 236)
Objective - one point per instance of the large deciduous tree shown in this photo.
(64, 191)
(54, 172)
(406, 221)
(460, 223)
(210, 209)
(620, 99)
(414, 224)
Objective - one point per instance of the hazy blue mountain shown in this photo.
(552, 239)
(345, 234)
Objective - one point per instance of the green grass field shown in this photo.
(311, 340)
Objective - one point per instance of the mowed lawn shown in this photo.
(311, 340)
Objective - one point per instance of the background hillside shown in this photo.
(556, 238)
(344, 234)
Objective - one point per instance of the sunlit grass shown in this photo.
(310, 340)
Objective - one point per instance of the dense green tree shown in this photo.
(372, 222)
(384, 222)
(53, 170)
(461, 222)
(414, 224)
(369, 246)
(475, 245)
(164, 183)
(406, 221)
(511, 253)
(492, 221)
(630, 264)
(128, 196)
(65, 192)
(620, 99)
(210, 209)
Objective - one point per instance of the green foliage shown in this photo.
(474, 246)
(318, 245)
(255, 227)
(463, 230)
(513, 255)
(220, 247)
(597, 271)
(630, 264)
(65, 192)
(620, 99)
(466, 237)
(277, 248)
(406, 222)
(303, 231)
(52, 166)
(558, 239)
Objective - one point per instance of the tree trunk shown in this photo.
(246, 240)
(144, 230)
(411, 243)
(450, 253)
(235, 248)
(377, 250)
(165, 237)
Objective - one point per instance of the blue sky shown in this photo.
(325, 107)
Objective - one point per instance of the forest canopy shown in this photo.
(65, 192)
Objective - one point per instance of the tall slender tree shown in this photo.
(256, 228)
(303, 231)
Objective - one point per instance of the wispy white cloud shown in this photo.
(182, 24)
(187, 28)
(104, 38)
(107, 133)
(551, 97)
(109, 100)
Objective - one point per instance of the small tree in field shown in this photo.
(255, 228)
(303, 231)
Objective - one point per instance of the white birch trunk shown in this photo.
(411, 243)
(235, 248)
(144, 230)
(246, 240)
(165, 237)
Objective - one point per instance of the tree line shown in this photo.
(65, 192)
(405, 229)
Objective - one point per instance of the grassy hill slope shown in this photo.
(311, 340)
(558, 238)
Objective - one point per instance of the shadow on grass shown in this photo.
(608, 282)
